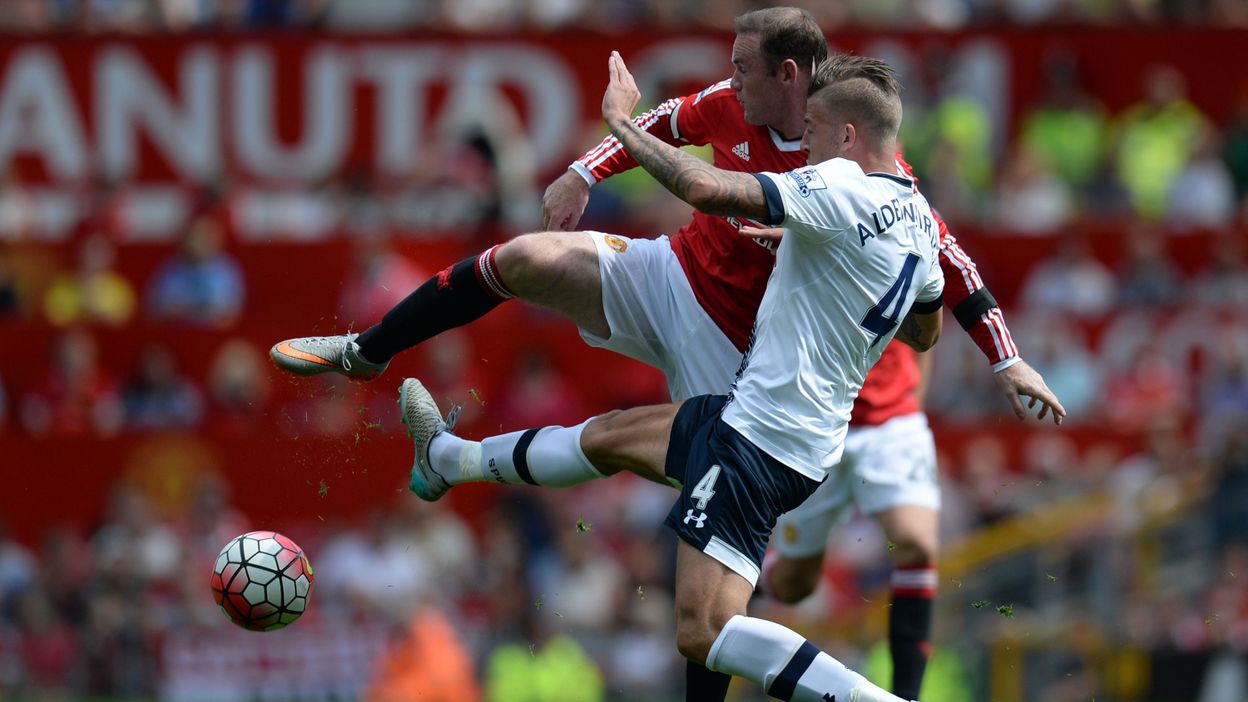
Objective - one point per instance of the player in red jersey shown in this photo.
(684, 304)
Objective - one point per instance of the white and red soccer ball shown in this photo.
(262, 580)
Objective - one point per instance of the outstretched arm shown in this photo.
(977, 312)
(711, 190)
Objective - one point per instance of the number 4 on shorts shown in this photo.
(705, 489)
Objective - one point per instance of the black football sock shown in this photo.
(452, 298)
(705, 685)
(910, 628)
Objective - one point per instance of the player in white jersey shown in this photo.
(858, 266)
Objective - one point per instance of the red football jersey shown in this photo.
(728, 272)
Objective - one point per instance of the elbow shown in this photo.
(701, 194)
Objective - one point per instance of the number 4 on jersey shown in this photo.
(879, 320)
(705, 489)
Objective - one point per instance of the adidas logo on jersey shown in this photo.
(742, 150)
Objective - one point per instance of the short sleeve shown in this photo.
(930, 297)
(813, 200)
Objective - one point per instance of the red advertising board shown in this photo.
(306, 107)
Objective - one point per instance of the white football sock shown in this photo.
(787, 666)
(549, 457)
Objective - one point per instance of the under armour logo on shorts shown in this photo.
(698, 519)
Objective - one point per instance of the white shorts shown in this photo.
(656, 319)
(883, 467)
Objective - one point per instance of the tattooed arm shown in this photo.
(920, 331)
(711, 190)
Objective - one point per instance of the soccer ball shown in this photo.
(262, 581)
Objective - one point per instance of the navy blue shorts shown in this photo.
(732, 493)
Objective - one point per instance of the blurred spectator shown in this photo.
(158, 396)
(961, 387)
(239, 385)
(1160, 476)
(445, 673)
(1072, 281)
(494, 157)
(1156, 137)
(1058, 351)
(210, 521)
(1031, 199)
(66, 567)
(49, 649)
(200, 284)
(119, 643)
(78, 396)
(379, 15)
(990, 488)
(1068, 128)
(18, 569)
(947, 189)
(581, 580)
(1235, 149)
(379, 279)
(1202, 196)
(439, 536)
(554, 670)
(950, 140)
(28, 15)
(483, 15)
(133, 547)
(1105, 198)
(1223, 282)
(1148, 277)
(350, 562)
(453, 189)
(279, 13)
(10, 288)
(1224, 387)
(119, 15)
(618, 15)
(1229, 455)
(92, 293)
(1151, 388)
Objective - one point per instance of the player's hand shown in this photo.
(622, 94)
(765, 233)
(564, 202)
(1021, 379)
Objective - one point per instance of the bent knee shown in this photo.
(534, 259)
(915, 551)
(522, 258)
(792, 581)
(694, 639)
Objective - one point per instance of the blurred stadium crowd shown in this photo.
(614, 16)
(1094, 560)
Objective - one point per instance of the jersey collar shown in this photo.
(783, 144)
(898, 179)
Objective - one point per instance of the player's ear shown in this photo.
(849, 137)
(788, 71)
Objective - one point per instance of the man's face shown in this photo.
(824, 135)
(758, 89)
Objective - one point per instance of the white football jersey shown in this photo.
(859, 249)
